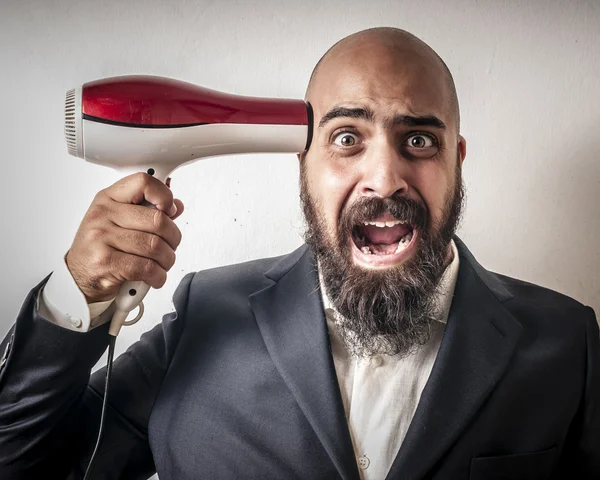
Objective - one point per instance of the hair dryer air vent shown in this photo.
(73, 122)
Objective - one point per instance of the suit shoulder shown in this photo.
(244, 278)
(540, 299)
(219, 297)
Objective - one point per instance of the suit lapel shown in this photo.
(478, 343)
(291, 320)
(477, 346)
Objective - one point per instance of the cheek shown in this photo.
(331, 184)
(433, 184)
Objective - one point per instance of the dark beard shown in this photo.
(383, 311)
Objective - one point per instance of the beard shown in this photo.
(388, 311)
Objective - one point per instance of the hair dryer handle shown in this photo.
(131, 295)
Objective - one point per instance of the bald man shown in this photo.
(380, 349)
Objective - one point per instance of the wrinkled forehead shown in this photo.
(389, 80)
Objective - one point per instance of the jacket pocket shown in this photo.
(524, 466)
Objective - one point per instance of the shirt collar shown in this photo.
(445, 294)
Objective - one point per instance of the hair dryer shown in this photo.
(156, 124)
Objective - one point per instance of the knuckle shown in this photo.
(154, 274)
(161, 279)
(158, 220)
(141, 178)
(149, 268)
(172, 259)
(97, 212)
(178, 237)
(154, 244)
(95, 234)
(100, 197)
(141, 269)
(101, 259)
(105, 283)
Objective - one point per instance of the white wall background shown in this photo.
(527, 75)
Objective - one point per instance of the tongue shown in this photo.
(384, 235)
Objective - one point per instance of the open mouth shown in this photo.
(383, 242)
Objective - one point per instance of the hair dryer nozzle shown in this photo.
(73, 133)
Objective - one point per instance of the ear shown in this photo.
(462, 148)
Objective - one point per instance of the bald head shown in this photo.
(385, 49)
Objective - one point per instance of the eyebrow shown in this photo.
(367, 114)
(337, 112)
(421, 121)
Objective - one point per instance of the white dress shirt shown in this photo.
(61, 302)
(381, 393)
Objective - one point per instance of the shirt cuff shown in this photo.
(62, 302)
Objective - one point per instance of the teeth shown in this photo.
(393, 223)
(404, 241)
(366, 250)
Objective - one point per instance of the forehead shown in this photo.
(389, 80)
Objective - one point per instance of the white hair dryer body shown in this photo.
(155, 125)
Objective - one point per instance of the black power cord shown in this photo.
(109, 362)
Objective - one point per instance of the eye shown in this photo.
(345, 139)
(420, 141)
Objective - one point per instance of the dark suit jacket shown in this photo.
(239, 383)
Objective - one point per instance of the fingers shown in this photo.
(119, 267)
(121, 239)
(180, 208)
(138, 218)
(141, 244)
(139, 187)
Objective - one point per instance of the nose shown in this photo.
(384, 171)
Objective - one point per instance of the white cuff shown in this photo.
(62, 303)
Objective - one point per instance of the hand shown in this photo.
(120, 240)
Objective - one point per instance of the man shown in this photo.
(380, 350)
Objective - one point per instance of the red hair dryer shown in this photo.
(155, 125)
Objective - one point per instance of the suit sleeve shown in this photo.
(50, 406)
(581, 453)
(590, 438)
